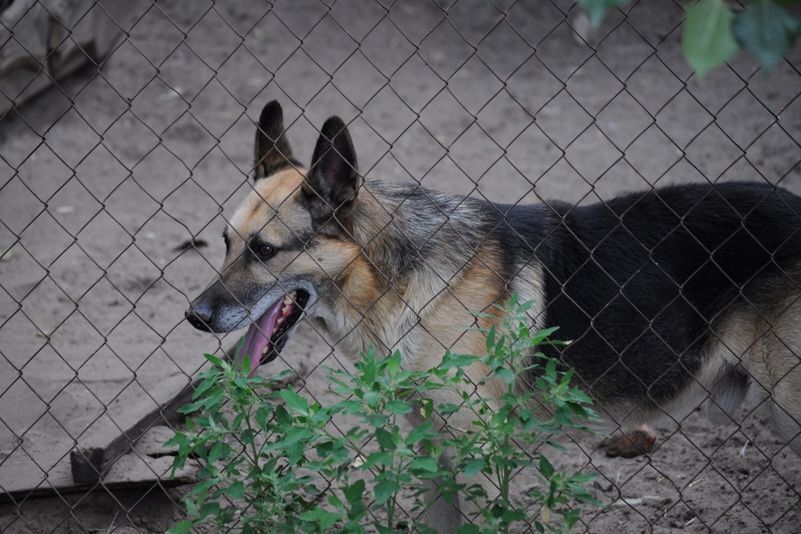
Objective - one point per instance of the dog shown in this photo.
(668, 297)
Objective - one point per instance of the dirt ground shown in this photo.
(102, 179)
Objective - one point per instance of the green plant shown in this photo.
(713, 33)
(272, 461)
(526, 414)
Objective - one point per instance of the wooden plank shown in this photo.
(110, 458)
(147, 464)
(94, 456)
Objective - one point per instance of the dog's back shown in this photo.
(675, 292)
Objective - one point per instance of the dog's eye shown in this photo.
(262, 250)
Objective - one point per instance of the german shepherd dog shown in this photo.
(669, 297)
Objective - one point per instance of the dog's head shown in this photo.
(287, 242)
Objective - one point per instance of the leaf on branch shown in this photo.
(420, 432)
(385, 439)
(474, 466)
(708, 40)
(294, 401)
(181, 527)
(596, 9)
(321, 517)
(384, 490)
(354, 493)
(767, 31)
(398, 407)
(424, 463)
(545, 467)
(451, 360)
(236, 490)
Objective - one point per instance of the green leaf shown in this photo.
(377, 420)
(294, 401)
(204, 386)
(181, 527)
(384, 491)
(292, 437)
(570, 517)
(767, 30)
(377, 458)
(545, 467)
(393, 363)
(236, 490)
(385, 439)
(451, 360)
(179, 439)
(596, 9)
(246, 365)
(190, 408)
(218, 450)
(282, 416)
(398, 407)
(512, 516)
(354, 493)
(262, 414)
(491, 338)
(419, 432)
(506, 375)
(424, 463)
(545, 333)
(215, 361)
(448, 408)
(708, 40)
(323, 518)
(474, 467)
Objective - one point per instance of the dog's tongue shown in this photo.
(258, 336)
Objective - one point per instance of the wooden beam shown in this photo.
(92, 458)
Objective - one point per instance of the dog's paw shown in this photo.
(631, 444)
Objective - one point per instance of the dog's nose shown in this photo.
(200, 317)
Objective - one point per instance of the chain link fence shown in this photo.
(126, 144)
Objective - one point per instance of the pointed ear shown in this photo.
(332, 183)
(272, 150)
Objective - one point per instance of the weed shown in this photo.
(273, 461)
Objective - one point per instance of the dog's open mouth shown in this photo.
(269, 333)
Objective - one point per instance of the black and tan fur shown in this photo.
(669, 296)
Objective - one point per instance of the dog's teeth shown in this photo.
(265, 350)
(280, 320)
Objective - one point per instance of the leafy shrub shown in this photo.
(272, 461)
(713, 33)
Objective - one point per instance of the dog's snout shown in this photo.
(200, 315)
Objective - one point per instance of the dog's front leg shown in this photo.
(440, 513)
(446, 514)
(443, 515)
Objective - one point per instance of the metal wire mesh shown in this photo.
(127, 131)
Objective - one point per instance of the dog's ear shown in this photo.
(332, 183)
(272, 149)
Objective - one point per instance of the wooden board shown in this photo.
(95, 454)
(146, 464)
